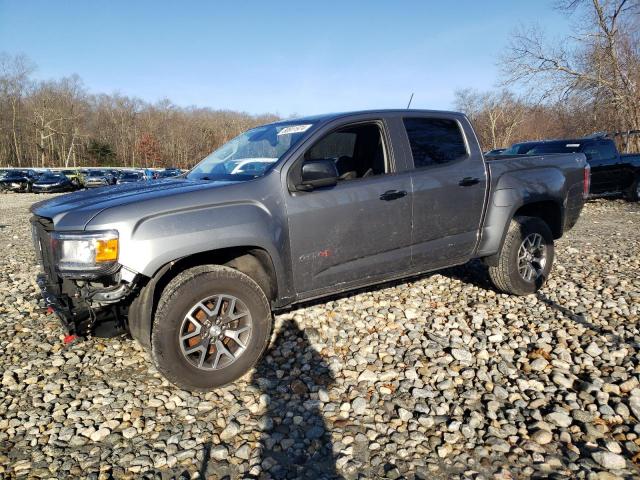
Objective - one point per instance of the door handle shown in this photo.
(392, 195)
(468, 181)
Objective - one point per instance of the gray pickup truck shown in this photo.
(291, 211)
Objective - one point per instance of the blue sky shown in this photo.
(286, 57)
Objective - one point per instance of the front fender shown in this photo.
(156, 229)
(155, 240)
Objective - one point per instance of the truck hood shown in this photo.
(75, 210)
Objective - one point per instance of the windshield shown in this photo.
(96, 173)
(15, 174)
(51, 176)
(131, 175)
(251, 154)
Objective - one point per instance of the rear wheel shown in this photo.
(633, 194)
(526, 257)
(211, 327)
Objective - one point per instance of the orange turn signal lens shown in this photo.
(107, 250)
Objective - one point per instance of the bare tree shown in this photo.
(14, 82)
(497, 115)
(600, 64)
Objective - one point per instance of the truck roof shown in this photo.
(326, 117)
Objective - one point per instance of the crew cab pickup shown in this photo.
(612, 173)
(291, 211)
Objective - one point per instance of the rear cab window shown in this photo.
(434, 141)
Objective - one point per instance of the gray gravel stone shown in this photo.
(609, 460)
(560, 419)
(542, 437)
(462, 355)
(359, 405)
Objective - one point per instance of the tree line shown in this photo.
(585, 83)
(57, 123)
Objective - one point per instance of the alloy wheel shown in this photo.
(215, 332)
(532, 257)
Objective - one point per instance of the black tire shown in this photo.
(178, 297)
(633, 194)
(505, 275)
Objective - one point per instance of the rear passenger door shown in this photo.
(449, 183)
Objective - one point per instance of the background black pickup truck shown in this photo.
(612, 173)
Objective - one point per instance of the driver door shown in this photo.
(358, 230)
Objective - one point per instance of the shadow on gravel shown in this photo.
(474, 272)
(295, 442)
(205, 460)
(579, 318)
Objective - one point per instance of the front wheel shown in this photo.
(212, 325)
(526, 257)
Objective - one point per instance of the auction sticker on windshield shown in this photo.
(294, 129)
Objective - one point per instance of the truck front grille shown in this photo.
(41, 228)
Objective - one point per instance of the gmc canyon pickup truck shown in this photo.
(292, 211)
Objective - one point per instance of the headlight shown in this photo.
(85, 251)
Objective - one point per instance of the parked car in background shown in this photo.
(54, 182)
(167, 173)
(97, 178)
(113, 175)
(74, 175)
(130, 176)
(612, 173)
(197, 263)
(15, 180)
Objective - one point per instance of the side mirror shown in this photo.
(317, 174)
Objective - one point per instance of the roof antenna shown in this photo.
(410, 99)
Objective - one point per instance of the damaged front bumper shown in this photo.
(60, 304)
(83, 300)
(79, 305)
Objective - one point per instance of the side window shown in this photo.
(608, 150)
(334, 145)
(357, 150)
(600, 151)
(592, 152)
(434, 141)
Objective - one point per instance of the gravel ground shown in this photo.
(436, 378)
